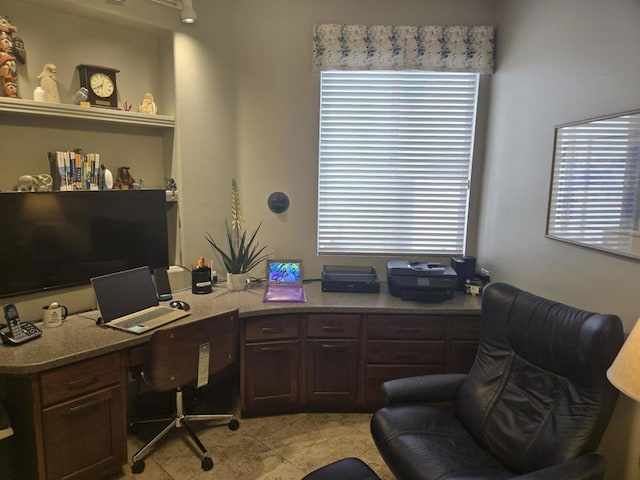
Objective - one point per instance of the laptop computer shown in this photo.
(128, 301)
(284, 281)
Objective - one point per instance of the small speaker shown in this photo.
(163, 287)
(465, 268)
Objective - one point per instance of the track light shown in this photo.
(188, 14)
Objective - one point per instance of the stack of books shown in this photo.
(75, 169)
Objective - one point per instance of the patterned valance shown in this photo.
(383, 47)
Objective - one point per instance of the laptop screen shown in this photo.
(284, 271)
(123, 293)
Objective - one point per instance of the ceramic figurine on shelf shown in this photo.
(48, 83)
(80, 96)
(147, 105)
(124, 179)
(11, 49)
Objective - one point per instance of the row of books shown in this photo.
(78, 170)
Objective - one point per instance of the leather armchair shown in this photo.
(534, 405)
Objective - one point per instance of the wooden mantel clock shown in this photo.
(100, 83)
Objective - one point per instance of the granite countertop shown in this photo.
(79, 337)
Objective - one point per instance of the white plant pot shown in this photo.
(236, 281)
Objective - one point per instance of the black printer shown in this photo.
(424, 282)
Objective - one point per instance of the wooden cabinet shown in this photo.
(79, 399)
(331, 367)
(70, 422)
(338, 362)
(270, 353)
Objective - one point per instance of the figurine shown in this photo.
(147, 105)
(48, 82)
(80, 96)
(35, 183)
(124, 180)
(11, 49)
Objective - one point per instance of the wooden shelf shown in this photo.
(93, 114)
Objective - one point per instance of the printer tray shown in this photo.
(339, 278)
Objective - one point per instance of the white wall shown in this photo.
(559, 61)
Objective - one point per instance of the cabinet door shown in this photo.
(271, 374)
(86, 437)
(332, 372)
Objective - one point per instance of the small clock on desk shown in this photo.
(100, 83)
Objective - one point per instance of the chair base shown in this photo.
(345, 469)
(180, 420)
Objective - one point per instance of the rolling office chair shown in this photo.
(185, 354)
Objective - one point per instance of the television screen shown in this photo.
(59, 239)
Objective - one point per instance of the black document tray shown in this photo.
(341, 278)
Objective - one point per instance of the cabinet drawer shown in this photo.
(403, 327)
(79, 378)
(466, 328)
(333, 326)
(272, 328)
(404, 352)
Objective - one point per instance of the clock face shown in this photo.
(101, 85)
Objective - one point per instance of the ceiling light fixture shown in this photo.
(187, 13)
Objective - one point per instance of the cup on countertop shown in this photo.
(53, 315)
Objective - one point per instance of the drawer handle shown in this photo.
(83, 382)
(272, 349)
(331, 328)
(406, 354)
(327, 346)
(272, 330)
(82, 406)
(408, 330)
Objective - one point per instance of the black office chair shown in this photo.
(534, 405)
(182, 355)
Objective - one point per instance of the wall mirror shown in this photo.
(594, 199)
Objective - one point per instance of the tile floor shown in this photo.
(284, 447)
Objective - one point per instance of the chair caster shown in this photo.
(234, 424)
(138, 466)
(207, 464)
(133, 428)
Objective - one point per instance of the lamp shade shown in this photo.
(624, 372)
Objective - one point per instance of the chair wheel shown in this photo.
(137, 467)
(133, 428)
(207, 464)
(234, 424)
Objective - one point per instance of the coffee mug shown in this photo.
(53, 315)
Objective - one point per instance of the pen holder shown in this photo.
(201, 280)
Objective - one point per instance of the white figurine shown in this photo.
(48, 83)
(80, 96)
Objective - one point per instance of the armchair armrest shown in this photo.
(426, 388)
(586, 467)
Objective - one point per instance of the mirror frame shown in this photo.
(619, 240)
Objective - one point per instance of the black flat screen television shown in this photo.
(59, 239)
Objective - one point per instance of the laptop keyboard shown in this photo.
(144, 317)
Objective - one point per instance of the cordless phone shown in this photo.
(17, 332)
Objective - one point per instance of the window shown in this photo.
(395, 161)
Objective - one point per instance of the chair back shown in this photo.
(537, 394)
(195, 350)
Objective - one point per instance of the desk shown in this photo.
(30, 371)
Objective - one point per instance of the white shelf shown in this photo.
(93, 114)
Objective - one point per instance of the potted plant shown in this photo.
(244, 251)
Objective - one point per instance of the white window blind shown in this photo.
(596, 183)
(395, 161)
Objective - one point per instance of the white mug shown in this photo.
(53, 315)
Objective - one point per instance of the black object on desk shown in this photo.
(201, 280)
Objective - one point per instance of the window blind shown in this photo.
(596, 179)
(395, 161)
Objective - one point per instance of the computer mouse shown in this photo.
(180, 304)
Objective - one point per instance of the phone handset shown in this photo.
(17, 332)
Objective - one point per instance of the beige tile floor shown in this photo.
(282, 447)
